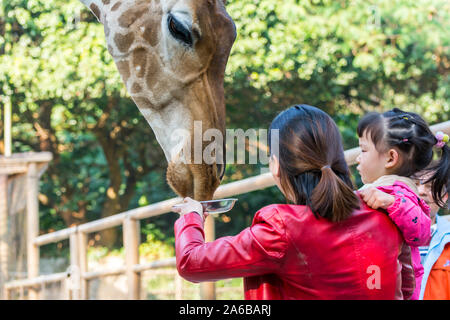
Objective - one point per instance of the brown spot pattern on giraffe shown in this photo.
(140, 61)
(95, 10)
(106, 2)
(154, 76)
(124, 70)
(130, 16)
(124, 42)
(151, 32)
(116, 6)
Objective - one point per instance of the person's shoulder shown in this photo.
(401, 189)
(270, 215)
(268, 211)
(280, 210)
(274, 209)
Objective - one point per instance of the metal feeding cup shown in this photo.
(215, 207)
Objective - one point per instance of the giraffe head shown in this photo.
(171, 55)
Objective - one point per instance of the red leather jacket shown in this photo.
(289, 254)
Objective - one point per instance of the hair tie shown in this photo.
(325, 167)
(405, 140)
(442, 139)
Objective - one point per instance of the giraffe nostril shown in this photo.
(220, 170)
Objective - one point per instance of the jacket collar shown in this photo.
(389, 180)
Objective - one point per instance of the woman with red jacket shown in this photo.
(327, 244)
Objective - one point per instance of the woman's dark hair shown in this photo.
(411, 136)
(313, 169)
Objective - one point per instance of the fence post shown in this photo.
(65, 290)
(4, 247)
(208, 289)
(131, 239)
(22, 293)
(82, 249)
(32, 227)
(178, 286)
(6, 294)
(75, 275)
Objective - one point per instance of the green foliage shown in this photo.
(154, 249)
(150, 250)
(339, 55)
(347, 57)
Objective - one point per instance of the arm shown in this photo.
(256, 250)
(411, 216)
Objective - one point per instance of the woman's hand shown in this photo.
(189, 205)
(376, 198)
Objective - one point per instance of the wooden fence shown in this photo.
(130, 221)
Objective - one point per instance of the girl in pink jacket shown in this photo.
(395, 146)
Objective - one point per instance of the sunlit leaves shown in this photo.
(334, 45)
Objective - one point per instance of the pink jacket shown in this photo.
(412, 216)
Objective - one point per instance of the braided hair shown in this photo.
(411, 136)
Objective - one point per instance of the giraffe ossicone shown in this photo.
(171, 55)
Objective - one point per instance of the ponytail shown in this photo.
(326, 193)
(332, 198)
(440, 180)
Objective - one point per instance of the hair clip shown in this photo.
(442, 139)
(405, 140)
(406, 118)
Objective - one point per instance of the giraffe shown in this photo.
(171, 55)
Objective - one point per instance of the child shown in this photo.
(395, 146)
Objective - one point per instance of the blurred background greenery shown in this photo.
(346, 57)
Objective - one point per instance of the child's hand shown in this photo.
(376, 198)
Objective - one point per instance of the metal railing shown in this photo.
(130, 221)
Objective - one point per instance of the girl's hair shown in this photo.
(313, 169)
(411, 136)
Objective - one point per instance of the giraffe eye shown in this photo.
(178, 31)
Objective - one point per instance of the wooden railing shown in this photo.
(130, 221)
